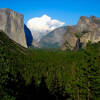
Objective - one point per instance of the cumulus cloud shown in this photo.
(41, 26)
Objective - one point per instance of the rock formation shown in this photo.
(87, 29)
(91, 29)
(12, 24)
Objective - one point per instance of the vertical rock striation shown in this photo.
(12, 24)
(87, 29)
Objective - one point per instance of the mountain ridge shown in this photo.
(54, 38)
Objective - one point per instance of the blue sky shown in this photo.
(68, 11)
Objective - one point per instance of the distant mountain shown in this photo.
(53, 39)
(41, 26)
(69, 39)
(12, 23)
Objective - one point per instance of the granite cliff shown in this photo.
(12, 23)
(87, 29)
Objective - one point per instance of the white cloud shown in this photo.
(40, 26)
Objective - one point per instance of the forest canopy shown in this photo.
(26, 74)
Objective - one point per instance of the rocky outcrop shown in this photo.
(92, 29)
(87, 29)
(12, 24)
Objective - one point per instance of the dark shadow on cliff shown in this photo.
(28, 36)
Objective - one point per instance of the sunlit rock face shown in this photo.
(92, 28)
(12, 23)
(87, 29)
(88, 23)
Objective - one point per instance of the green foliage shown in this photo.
(68, 74)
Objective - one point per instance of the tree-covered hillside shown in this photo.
(34, 74)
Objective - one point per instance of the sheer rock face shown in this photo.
(12, 24)
(92, 29)
(87, 29)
